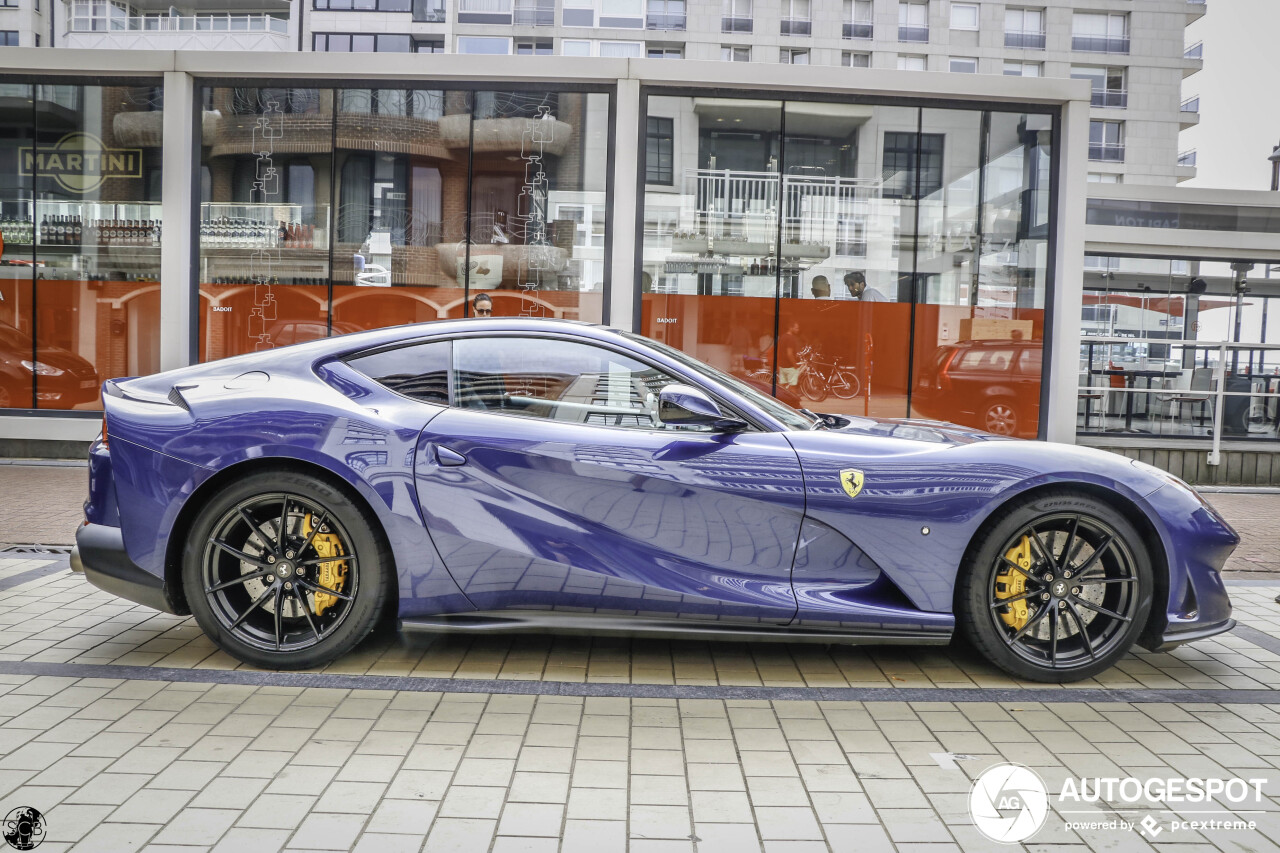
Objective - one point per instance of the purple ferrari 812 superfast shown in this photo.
(521, 475)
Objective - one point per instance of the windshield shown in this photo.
(775, 408)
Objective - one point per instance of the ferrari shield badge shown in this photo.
(851, 479)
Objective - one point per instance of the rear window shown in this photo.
(418, 371)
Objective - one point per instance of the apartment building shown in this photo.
(1132, 52)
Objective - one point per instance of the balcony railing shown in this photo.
(1196, 51)
(667, 21)
(1190, 105)
(429, 11)
(1107, 152)
(1024, 39)
(1110, 98)
(797, 27)
(530, 15)
(742, 207)
(1100, 44)
(1187, 158)
(920, 34)
(736, 25)
(859, 30)
(191, 23)
(1213, 390)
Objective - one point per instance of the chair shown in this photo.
(1089, 394)
(1197, 394)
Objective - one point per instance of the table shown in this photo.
(1130, 379)
(1267, 380)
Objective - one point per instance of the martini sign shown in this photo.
(80, 163)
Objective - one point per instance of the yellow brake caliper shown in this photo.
(332, 574)
(1011, 583)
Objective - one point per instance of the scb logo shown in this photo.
(1008, 803)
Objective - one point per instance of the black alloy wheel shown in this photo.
(283, 571)
(1059, 589)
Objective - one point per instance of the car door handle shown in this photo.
(448, 457)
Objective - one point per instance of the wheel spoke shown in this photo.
(1084, 633)
(1011, 564)
(284, 521)
(238, 554)
(1065, 562)
(315, 587)
(252, 607)
(1102, 579)
(1096, 555)
(242, 579)
(306, 611)
(1053, 636)
(1044, 549)
(315, 528)
(253, 525)
(316, 561)
(1031, 623)
(279, 607)
(1084, 602)
(999, 602)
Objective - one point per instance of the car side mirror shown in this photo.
(685, 405)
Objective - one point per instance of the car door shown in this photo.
(551, 484)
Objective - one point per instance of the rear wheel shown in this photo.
(1058, 589)
(283, 571)
(1000, 418)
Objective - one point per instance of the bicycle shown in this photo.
(820, 379)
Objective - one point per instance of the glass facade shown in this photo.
(853, 258)
(850, 257)
(81, 225)
(1157, 333)
(327, 211)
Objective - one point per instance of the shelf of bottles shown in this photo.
(262, 226)
(81, 225)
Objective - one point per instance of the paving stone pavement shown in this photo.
(130, 731)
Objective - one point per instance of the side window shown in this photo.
(420, 371)
(1030, 361)
(557, 380)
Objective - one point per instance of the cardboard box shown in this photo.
(994, 329)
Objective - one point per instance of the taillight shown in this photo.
(104, 430)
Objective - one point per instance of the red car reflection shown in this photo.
(62, 378)
(991, 385)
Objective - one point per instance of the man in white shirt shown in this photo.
(856, 281)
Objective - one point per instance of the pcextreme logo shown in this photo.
(1009, 803)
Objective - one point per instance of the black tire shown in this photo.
(1092, 615)
(236, 588)
(845, 384)
(813, 386)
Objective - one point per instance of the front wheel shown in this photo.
(283, 571)
(813, 386)
(1057, 590)
(845, 384)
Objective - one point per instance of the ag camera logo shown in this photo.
(1009, 803)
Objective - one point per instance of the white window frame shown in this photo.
(638, 45)
(906, 60)
(968, 8)
(580, 47)
(846, 59)
(1022, 68)
(1021, 13)
(909, 9)
(1111, 21)
(727, 52)
(787, 55)
(969, 64)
